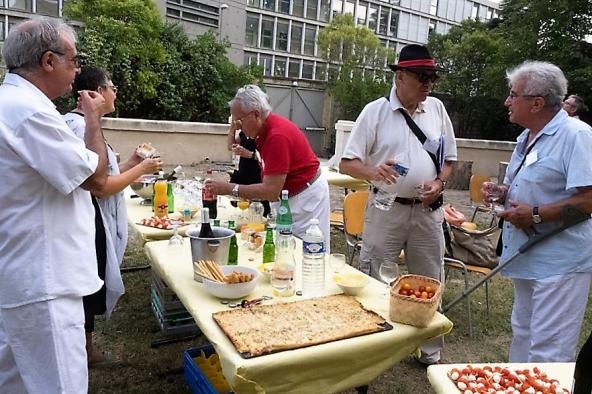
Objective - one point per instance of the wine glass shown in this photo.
(494, 194)
(389, 271)
(337, 262)
(176, 239)
(243, 205)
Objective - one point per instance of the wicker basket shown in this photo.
(416, 312)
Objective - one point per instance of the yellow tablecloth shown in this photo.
(336, 178)
(437, 374)
(325, 368)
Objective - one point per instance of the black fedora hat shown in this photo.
(415, 57)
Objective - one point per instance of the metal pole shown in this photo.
(221, 12)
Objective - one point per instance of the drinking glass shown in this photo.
(494, 194)
(337, 262)
(176, 239)
(271, 218)
(389, 271)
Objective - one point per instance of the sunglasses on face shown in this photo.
(424, 77)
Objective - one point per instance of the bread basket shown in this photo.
(416, 312)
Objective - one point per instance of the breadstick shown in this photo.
(216, 271)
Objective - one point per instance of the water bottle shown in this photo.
(284, 220)
(313, 261)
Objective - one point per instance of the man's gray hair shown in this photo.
(540, 79)
(252, 98)
(29, 40)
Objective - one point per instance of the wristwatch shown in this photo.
(536, 218)
(443, 182)
(235, 191)
(254, 155)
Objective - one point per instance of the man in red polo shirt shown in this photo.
(287, 159)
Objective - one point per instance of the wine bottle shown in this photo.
(206, 229)
(173, 174)
(233, 250)
(209, 199)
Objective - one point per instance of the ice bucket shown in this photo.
(215, 249)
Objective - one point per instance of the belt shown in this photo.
(403, 200)
(307, 184)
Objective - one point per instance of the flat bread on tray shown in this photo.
(264, 329)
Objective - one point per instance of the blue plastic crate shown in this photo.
(195, 379)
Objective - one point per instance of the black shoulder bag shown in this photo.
(422, 138)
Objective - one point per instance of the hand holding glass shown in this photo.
(493, 194)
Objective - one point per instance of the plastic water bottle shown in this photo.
(313, 261)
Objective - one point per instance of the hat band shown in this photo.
(417, 63)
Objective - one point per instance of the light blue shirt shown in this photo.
(559, 162)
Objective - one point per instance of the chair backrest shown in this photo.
(354, 207)
(475, 187)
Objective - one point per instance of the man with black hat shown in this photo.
(382, 137)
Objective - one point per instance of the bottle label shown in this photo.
(282, 210)
(284, 229)
(316, 248)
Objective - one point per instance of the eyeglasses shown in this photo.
(75, 59)
(514, 95)
(569, 104)
(424, 77)
(243, 117)
(112, 87)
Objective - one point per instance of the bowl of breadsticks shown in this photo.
(227, 281)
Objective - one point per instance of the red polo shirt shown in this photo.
(285, 149)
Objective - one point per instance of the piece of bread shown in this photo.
(469, 226)
(145, 150)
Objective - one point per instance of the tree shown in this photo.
(357, 65)
(160, 72)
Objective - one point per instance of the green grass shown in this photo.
(133, 328)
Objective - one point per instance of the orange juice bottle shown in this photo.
(161, 202)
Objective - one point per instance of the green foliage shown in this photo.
(357, 65)
(160, 72)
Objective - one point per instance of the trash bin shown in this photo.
(316, 138)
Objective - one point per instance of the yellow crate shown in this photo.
(416, 312)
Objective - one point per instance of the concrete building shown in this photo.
(280, 36)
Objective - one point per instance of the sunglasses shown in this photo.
(424, 77)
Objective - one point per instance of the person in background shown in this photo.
(549, 169)
(288, 162)
(574, 106)
(109, 204)
(47, 255)
(249, 169)
(380, 134)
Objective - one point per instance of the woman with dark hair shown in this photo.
(110, 213)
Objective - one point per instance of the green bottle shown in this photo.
(284, 220)
(233, 251)
(268, 247)
(170, 197)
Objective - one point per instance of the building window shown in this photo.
(280, 67)
(372, 17)
(394, 25)
(432, 28)
(173, 13)
(48, 7)
(267, 32)
(269, 5)
(434, 7)
(23, 5)
(294, 68)
(361, 14)
(309, 40)
(298, 8)
(254, 3)
(489, 13)
(325, 10)
(350, 7)
(284, 7)
(252, 30)
(337, 7)
(250, 58)
(384, 20)
(265, 62)
(312, 7)
(281, 39)
(307, 69)
(321, 71)
(475, 11)
(296, 38)
(2, 31)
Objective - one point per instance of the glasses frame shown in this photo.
(514, 96)
(76, 60)
(423, 77)
(112, 87)
(240, 120)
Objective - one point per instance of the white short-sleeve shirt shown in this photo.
(381, 133)
(47, 220)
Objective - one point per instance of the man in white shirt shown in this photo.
(47, 255)
(382, 137)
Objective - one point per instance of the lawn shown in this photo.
(145, 369)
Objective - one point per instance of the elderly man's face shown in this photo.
(417, 84)
(65, 65)
(520, 105)
(247, 121)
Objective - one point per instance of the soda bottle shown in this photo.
(206, 229)
(268, 247)
(233, 250)
(160, 177)
(161, 201)
(282, 277)
(284, 220)
(313, 261)
(209, 199)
